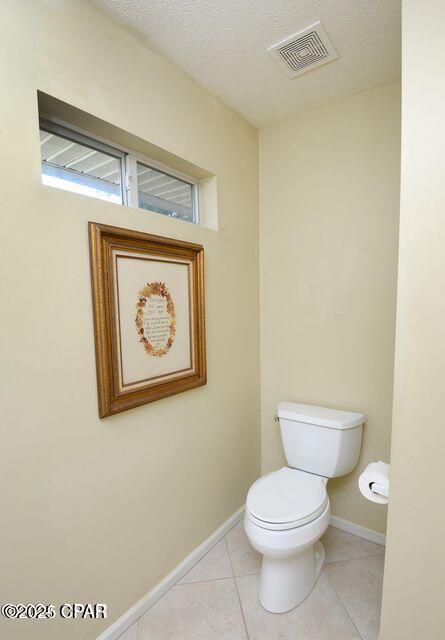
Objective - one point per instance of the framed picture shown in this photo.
(148, 303)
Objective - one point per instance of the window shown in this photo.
(163, 193)
(79, 163)
(70, 164)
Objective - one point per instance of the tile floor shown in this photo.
(217, 599)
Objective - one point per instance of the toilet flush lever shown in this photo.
(276, 418)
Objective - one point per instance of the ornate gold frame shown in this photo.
(103, 239)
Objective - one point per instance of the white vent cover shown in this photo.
(304, 51)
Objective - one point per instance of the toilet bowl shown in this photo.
(287, 511)
(286, 514)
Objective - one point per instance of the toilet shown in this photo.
(287, 511)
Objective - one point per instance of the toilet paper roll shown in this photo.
(374, 482)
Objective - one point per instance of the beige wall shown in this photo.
(329, 214)
(102, 510)
(414, 591)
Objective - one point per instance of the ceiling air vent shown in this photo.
(304, 51)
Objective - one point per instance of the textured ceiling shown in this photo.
(222, 45)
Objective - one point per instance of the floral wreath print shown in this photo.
(155, 289)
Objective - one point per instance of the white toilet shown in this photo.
(288, 511)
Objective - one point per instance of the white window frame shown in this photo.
(128, 162)
(97, 145)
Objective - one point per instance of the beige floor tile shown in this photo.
(130, 634)
(320, 617)
(359, 585)
(215, 564)
(340, 545)
(195, 611)
(245, 559)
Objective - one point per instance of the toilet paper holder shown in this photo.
(374, 482)
(379, 488)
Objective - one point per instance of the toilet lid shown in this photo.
(287, 496)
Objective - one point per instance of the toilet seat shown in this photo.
(286, 499)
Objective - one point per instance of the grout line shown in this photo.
(207, 552)
(373, 555)
(184, 584)
(245, 575)
(242, 575)
(193, 566)
(140, 635)
(236, 587)
(235, 525)
(344, 607)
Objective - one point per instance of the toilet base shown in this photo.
(286, 582)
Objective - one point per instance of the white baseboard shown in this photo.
(136, 611)
(358, 530)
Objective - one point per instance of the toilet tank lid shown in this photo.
(322, 416)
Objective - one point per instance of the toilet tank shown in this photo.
(320, 440)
